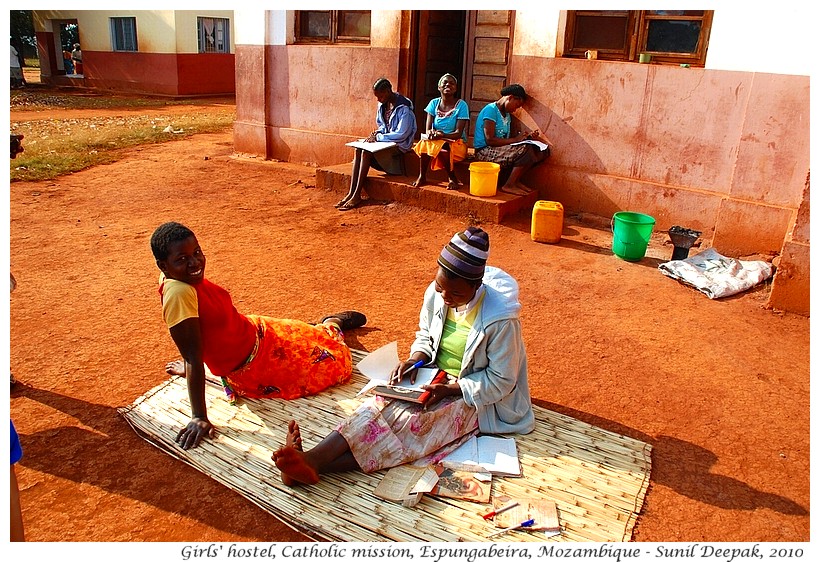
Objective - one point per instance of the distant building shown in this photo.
(165, 52)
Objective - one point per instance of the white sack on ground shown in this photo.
(716, 275)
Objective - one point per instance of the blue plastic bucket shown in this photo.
(630, 235)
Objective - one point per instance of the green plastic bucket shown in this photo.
(630, 235)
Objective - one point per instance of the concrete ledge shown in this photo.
(434, 196)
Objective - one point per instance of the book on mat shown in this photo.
(543, 512)
(412, 392)
(406, 484)
(497, 455)
(370, 146)
(462, 485)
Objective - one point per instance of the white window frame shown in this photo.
(220, 35)
(122, 38)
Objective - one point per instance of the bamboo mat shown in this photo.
(597, 478)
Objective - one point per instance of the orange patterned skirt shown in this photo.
(291, 359)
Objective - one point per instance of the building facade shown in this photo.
(712, 134)
(162, 52)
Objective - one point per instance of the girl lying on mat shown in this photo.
(468, 327)
(256, 356)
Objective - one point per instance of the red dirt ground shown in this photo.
(719, 388)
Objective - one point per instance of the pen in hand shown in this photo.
(415, 365)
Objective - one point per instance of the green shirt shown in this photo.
(454, 338)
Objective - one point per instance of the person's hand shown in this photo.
(439, 391)
(190, 436)
(398, 372)
(371, 137)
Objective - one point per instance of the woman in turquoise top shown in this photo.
(446, 132)
(493, 141)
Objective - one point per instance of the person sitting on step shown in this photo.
(446, 132)
(395, 122)
(493, 141)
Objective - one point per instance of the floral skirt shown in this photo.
(457, 150)
(383, 433)
(291, 359)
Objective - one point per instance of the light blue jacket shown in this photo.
(493, 375)
(402, 126)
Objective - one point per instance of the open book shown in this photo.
(496, 455)
(371, 146)
(406, 484)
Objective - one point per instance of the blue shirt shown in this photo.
(449, 122)
(502, 125)
(16, 449)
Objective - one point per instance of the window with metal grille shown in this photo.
(333, 26)
(124, 34)
(214, 35)
(669, 36)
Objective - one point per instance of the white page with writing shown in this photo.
(498, 454)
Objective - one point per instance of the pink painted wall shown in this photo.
(722, 152)
(316, 99)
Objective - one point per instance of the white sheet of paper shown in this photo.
(539, 144)
(370, 146)
(378, 365)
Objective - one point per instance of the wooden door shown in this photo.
(440, 51)
(489, 47)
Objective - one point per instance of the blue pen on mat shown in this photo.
(522, 525)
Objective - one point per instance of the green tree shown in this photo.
(21, 28)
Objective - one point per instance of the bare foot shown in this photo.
(176, 368)
(420, 181)
(294, 467)
(293, 442)
(453, 184)
(513, 189)
(341, 202)
(294, 437)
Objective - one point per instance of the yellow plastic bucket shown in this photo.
(484, 178)
(547, 222)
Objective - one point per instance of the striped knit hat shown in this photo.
(466, 254)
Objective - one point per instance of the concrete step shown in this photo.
(434, 196)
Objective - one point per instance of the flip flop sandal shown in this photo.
(348, 206)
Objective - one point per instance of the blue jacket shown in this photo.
(493, 375)
(402, 126)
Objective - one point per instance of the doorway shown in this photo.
(440, 50)
(69, 35)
